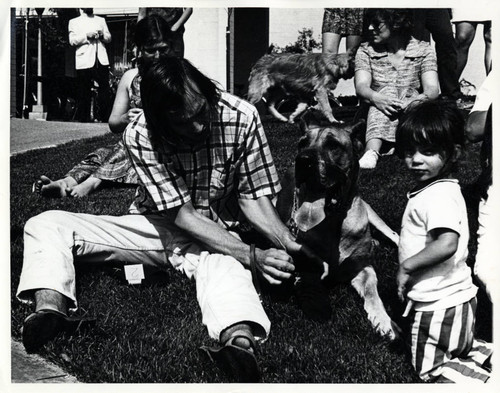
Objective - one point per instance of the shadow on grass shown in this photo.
(151, 333)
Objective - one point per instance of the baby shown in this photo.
(433, 275)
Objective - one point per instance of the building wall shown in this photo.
(205, 42)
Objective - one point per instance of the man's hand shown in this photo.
(93, 35)
(275, 265)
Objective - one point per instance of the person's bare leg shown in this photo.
(48, 299)
(241, 342)
(54, 188)
(487, 46)
(85, 188)
(374, 144)
(353, 42)
(330, 43)
(465, 32)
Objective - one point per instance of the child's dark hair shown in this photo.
(436, 125)
(398, 20)
(168, 87)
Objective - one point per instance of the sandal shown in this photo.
(42, 326)
(238, 362)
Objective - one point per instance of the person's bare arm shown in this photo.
(475, 126)
(274, 264)
(183, 19)
(121, 113)
(430, 86)
(443, 245)
(262, 214)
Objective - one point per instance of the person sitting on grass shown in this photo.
(110, 164)
(391, 70)
(204, 164)
(433, 274)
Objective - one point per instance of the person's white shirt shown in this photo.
(87, 51)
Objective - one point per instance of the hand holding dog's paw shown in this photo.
(275, 265)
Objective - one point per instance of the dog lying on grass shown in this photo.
(305, 77)
(320, 202)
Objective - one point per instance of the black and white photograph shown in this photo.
(227, 196)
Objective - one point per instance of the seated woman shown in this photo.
(153, 40)
(391, 70)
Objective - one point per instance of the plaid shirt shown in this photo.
(234, 162)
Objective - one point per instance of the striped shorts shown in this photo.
(443, 346)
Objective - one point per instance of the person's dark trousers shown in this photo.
(437, 22)
(100, 74)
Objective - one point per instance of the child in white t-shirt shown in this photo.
(433, 275)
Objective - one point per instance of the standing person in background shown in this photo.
(342, 22)
(437, 22)
(466, 21)
(88, 33)
(478, 128)
(176, 18)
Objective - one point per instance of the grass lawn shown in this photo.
(151, 333)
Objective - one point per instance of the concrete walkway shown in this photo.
(31, 368)
(28, 135)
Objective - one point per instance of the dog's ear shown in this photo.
(358, 128)
(357, 132)
(310, 119)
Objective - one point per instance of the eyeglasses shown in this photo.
(377, 29)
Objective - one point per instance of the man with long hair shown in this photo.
(205, 168)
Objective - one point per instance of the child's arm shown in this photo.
(442, 247)
(380, 225)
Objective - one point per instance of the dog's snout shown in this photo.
(305, 160)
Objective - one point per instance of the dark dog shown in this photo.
(303, 76)
(320, 200)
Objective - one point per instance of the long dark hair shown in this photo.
(168, 87)
(151, 30)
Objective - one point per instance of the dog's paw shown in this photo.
(389, 329)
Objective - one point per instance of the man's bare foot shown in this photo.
(54, 188)
(85, 188)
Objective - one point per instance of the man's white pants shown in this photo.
(54, 240)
